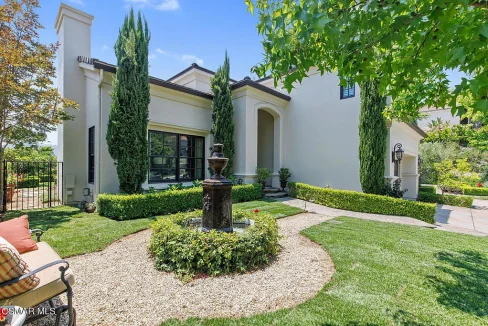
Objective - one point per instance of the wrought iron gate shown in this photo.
(29, 185)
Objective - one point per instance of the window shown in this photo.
(91, 155)
(175, 157)
(349, 90)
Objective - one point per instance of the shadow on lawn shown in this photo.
(45, 219)
(465, 286)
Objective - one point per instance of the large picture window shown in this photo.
(91, 155)
(175, 157)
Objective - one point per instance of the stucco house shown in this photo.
(313, 131)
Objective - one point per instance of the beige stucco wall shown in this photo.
(321, 137)
(74, 35)
(433, 114)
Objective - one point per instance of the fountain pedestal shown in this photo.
(217, 195)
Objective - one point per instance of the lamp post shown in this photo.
(397, 153)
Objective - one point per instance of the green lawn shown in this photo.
(389, 274)
(71, 232)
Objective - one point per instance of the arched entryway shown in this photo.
(269, 142)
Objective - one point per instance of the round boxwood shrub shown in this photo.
(190, 252)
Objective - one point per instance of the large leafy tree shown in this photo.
(407, 45)
(223, 113)
(30, 105)
(129, 114)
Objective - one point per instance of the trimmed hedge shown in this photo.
(428, 189)
(28, 183)
(360, 202)
(190, 252)
(475, 191)
(462, 201)
(127, 207)
(45, 178)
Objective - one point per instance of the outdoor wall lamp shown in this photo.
(397, 153)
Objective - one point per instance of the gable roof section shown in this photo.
(416, 128)
(195, 66)
(155, 81)
(167, 84)
(248, 82)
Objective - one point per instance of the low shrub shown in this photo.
(360, 202)
(28, 183)
(127, 207)
(428, 189)
(475, 191)
(45, 178)
(453, 200)
(190, 252)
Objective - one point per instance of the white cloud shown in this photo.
(190, 58)
(158, 50)
(78, 2)
(151, 56)
(104, 47)
(185, 58)
(163, 5)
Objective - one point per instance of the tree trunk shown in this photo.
(2, 188)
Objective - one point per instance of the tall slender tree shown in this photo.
(372, 138)
(223, 113)
(129, 114)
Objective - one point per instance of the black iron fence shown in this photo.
(29, 185)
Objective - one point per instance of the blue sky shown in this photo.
(182, 32)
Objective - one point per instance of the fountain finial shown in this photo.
(217, 161)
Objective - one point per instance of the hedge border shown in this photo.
(428, 189)
(365, 203)
(461, 201)
(475, 191)
(127, 207)
(190, 252)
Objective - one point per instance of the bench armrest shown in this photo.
(38, 233)
(62, 269)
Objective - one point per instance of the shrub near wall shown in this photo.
(428, 189)
(462, 201)
(475, 191)
(127, 207)
(360, 202)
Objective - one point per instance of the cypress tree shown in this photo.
(129, 113)
(223, 113)
(372, 138)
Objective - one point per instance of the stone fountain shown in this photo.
(217, 195)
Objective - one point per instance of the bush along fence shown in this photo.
(360, 202)
(463, 201)
(475, 191)
(127, 207)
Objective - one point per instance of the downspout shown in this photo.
(99, 132)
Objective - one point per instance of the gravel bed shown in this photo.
(120, 286)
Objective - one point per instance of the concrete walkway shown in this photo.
(464, 220)
(473, 221)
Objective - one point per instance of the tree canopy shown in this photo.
(30, 105)
(408, 45)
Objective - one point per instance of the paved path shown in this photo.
(472, 221)
(465, 220)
